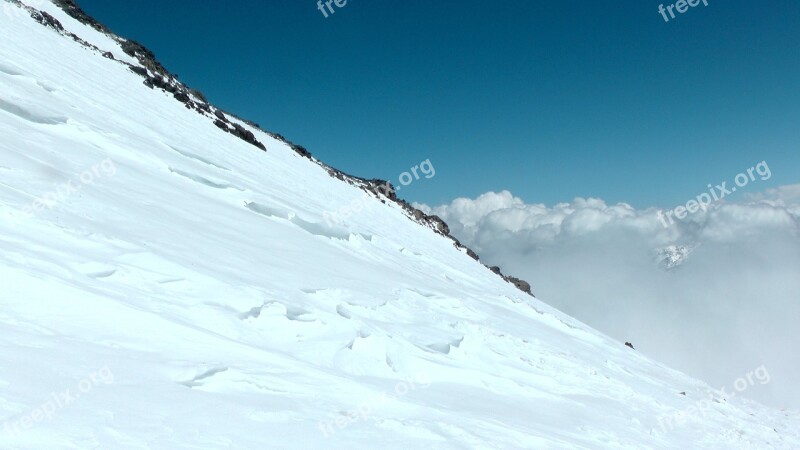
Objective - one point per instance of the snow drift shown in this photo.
(166, 283)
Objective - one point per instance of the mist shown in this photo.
(729, 306)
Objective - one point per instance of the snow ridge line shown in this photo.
(157, 76)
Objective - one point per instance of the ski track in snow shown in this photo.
(203, 275)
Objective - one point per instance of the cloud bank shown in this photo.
(730, 304)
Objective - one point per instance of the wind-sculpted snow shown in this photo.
(194, 297)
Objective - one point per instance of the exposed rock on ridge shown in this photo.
(156, 76)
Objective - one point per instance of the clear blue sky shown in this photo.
(549, 99)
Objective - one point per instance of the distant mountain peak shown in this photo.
(673, 256)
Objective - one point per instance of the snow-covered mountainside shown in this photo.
(166, 283)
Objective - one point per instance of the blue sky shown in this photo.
(551, 100)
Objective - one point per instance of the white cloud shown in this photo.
(732, 306)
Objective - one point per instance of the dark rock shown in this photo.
(300, 150)
(182, 97)
(280, 138)
(381, 187)
(75, 11)
(246, 135)
(198, 95)
(161, 78)
(139, 70)
(469, 251)
(441, 225)
(144, 56)
(158, 82)
(339, 175)
(252, 124)
(496, 270)
(522, 285)
(132, 48)
(629, 345)
(47, 20)
(248, 122)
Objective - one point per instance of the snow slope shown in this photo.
(166, 285)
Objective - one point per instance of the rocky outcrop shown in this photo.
(522, 285)
(236, 129)
(156, 76)
(387, 192)
(75, 11)
(47, 20)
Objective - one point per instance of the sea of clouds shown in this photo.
(731, 304)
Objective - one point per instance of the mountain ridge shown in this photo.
(157, 76)
(184, 283)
